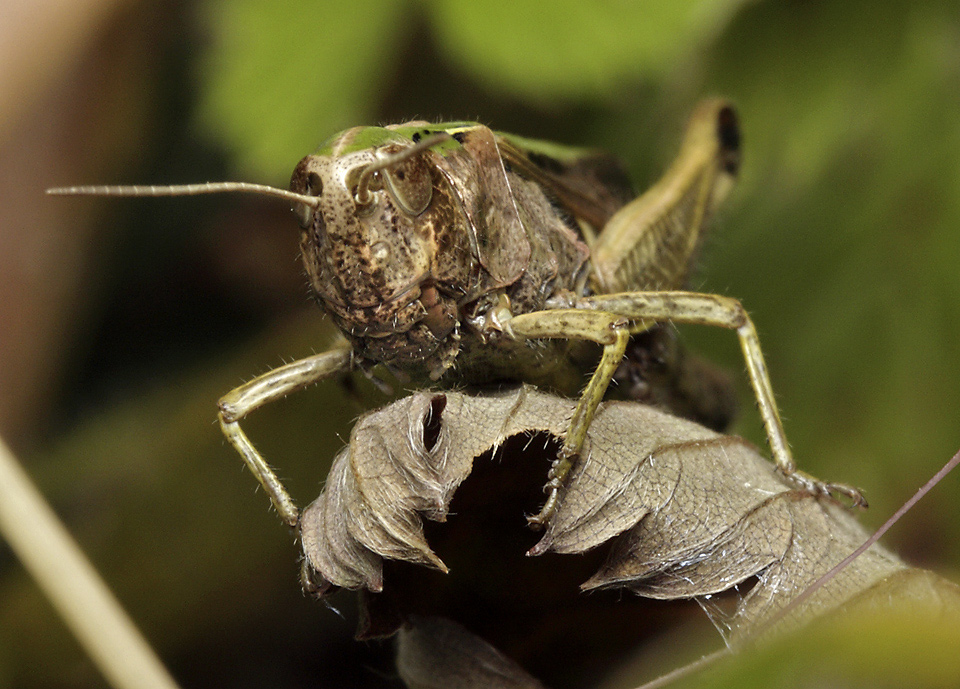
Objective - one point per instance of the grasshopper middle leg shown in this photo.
(607, 329)
(640, 309)
(724, 312)
(266, 388)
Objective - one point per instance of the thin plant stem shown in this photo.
(72, 584)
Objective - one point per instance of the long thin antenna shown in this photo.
(187, 190)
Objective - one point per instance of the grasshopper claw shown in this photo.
(855, 496)
(555, 480)
(538, 521)
(834, 491)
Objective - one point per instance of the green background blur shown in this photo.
(123, 321)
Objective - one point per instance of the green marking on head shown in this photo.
(357, 139)
(363, 138)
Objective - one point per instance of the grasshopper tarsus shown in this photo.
(556, 480)
(833, 491)
(539, 521)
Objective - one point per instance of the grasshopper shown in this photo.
(452, 254)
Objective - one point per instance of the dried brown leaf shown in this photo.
(686, 512)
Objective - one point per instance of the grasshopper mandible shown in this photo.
(451, 253)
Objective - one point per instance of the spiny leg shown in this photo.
(611, 331)
(266, 388)
(724, 312)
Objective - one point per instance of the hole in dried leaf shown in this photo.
(528, 608)
(431, 422)
(660, 507)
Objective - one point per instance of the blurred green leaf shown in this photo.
(876, 648)
(903, 633)
(280, 78)
(845, 245)
(571, 48)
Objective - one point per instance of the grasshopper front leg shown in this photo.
(266, 388)
(607, 329)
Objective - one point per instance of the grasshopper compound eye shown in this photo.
(304, 215)
(407, 176)
(305, 212)
(410, 184)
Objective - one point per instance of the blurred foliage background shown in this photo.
(123, 321)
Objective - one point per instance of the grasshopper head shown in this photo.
(384, 240)
(370, 246)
